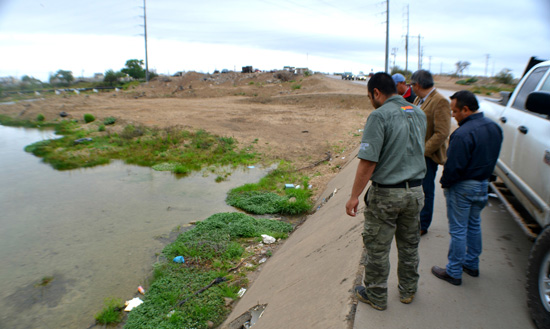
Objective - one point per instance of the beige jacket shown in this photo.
(438, 114)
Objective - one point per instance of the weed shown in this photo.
(101, 128)
(295, 86)
(89, 118)
(109, 121)
(40, 117)
(210, 249)
(112, 311)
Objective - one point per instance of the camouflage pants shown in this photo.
(389, 212)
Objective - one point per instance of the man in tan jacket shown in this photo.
(438, 113)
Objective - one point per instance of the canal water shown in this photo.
(95, 231)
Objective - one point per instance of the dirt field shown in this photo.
(279, 119)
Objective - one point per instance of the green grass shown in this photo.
(214, 246)
(111, 313)
(172, 149)
(269, 195)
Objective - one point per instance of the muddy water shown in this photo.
(95, 231)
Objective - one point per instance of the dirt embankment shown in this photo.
(300, 120)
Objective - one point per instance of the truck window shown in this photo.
(546, 85)
(528, 86)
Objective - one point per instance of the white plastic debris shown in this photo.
(241, 292)
(289, 186)
(251, 167)
(169, 315)
(268, 239)
(131, 304)
(263, 260)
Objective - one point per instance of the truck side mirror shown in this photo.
(538, 102)
(504, 98)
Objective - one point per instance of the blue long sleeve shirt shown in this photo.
(473, 150)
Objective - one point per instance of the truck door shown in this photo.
(531, 132)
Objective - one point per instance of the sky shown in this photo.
(40, 37)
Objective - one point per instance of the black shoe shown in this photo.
(423, 232)
(470, 272)
(361, 294)
(441, 273)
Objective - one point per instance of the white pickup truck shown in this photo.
(523, 169)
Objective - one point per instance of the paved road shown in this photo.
(496, 299)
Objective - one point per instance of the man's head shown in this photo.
(463, 104)
(422, 82)
(400, 83)
(380, 87)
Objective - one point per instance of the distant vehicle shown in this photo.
(348, 76)
(361, 77)
(225, 71)
(524, 169)
(216, 71)
(248, 69)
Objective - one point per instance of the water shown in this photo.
(96, 231)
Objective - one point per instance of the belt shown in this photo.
(411, 183)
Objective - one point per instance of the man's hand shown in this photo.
(351, 206)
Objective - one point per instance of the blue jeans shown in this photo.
(428, 185)
(465, 200)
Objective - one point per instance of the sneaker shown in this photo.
(361, 294)
(406, 299)
(470, 272)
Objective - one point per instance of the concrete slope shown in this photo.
(308, 281)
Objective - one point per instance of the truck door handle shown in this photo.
(523, 129)
(503, 119)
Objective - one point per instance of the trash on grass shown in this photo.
(179, 259)
(131, 304)
(268, 239)
(289, 186)
(241, 292)
(141, 290)
(169, 315)
(251, 167)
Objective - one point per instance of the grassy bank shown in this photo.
(218, 252)
(170, 149)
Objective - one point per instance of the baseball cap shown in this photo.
(398, 77)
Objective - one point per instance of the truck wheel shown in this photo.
(538, 280)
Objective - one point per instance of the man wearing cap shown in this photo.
(402, 88)
(438, 113)
(393, 136)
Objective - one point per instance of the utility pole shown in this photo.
(387, 34)
(145, 28)
(394, 53)
(487, 56)
(407, 43)
(419, 52)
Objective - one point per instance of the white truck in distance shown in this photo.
(523, 169)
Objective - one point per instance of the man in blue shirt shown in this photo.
(471, 158)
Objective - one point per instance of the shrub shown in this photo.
(101, 128)
(109, 121)
(88, 118)
(296, 86)
(40, 117)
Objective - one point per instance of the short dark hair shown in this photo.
(423, 78)
(466, 98)
(383, 82)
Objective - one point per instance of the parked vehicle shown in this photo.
(361, 77)
(348, 76)
(523, 169)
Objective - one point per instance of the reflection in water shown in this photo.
(95, 231)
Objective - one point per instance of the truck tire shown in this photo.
(538, 280)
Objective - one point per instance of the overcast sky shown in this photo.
(39, 37)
